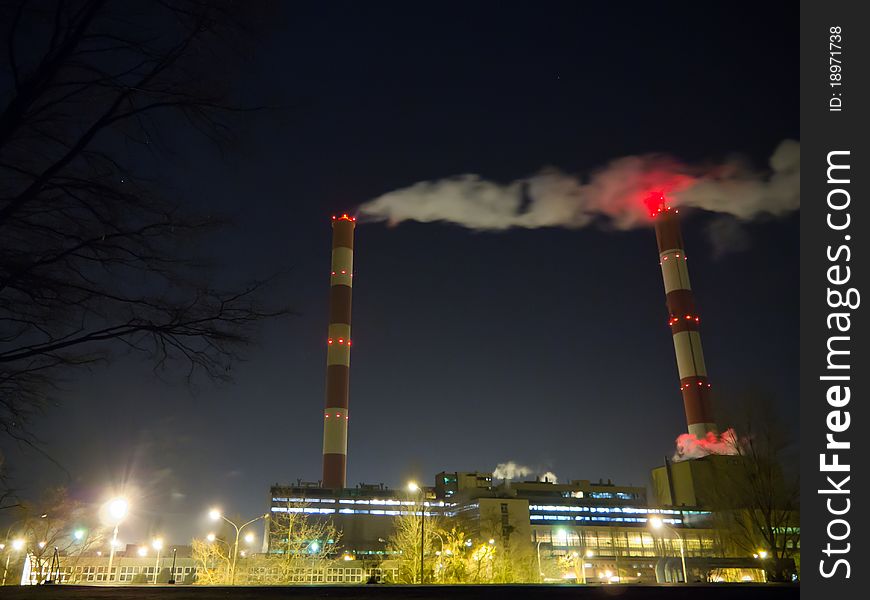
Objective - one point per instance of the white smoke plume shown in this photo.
(549, 476)
(510, 470)
(612, 194)
(689, 446)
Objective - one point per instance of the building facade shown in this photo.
(581, 530)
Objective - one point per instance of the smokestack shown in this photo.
(683, 320)
(335, 415)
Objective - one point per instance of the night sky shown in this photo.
(547, 347)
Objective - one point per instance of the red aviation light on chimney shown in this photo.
(656, 203)
(343, 217)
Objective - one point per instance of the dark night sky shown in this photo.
(547, 347)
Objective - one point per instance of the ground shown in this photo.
(679, 592)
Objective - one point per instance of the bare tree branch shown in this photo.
(95, 258)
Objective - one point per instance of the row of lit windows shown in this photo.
(372, 501)
(605, 519)
(606, 509)
(343, 511)
(600, 495)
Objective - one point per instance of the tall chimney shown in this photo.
(683, 317)
(335, 415)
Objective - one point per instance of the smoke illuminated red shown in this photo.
(661, 188)
(655, 202)
(689, 446)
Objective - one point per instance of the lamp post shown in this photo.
(17, 545)
(216, 515)
(657, 523)
(172, 571)
(761, 555)
(413, 488)
(117, 509)
(157, 544)
(587, 554)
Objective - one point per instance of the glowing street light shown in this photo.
(211, 537)
(157, 544)
(216, 515)
(414, 488)
(17, 546)
(142, 551)
(117, 509)
(587, 554)
(249, 538)
(657, 523)
(79, 534)
(761, 555)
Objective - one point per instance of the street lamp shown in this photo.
(761, 555)
(117, 509)
(215, 515)
(414, 488)
(588, 554)
(172, 570)
(657, 523)
(157, 544)
(17, 545)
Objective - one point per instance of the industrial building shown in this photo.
(604, 525)
(129, 566)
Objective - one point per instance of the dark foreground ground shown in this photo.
(493, 592)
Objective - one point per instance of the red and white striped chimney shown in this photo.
(683, 319)
(335, 416)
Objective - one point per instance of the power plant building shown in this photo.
(607, 524)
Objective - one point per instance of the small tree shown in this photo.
(452, 561)
(213, 560)
(406, 540)
(300, 543)
(56, 521)
(756, 501)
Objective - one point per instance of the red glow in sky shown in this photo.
(655, 201)
(661, 189)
